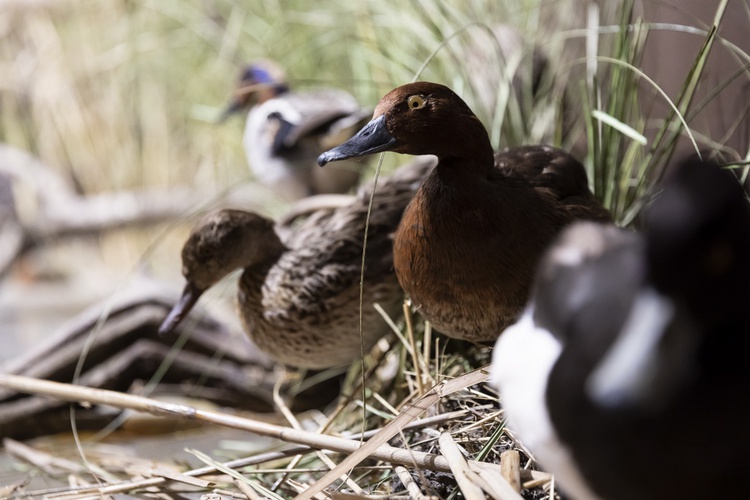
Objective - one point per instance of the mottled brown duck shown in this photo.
(469, 242)
(299, 298)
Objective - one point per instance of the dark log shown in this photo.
(126, 351)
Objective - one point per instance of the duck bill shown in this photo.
(233, 108)
(373, 138)
(190, 296)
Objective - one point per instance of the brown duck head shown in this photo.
(419, 118)
(220, 243)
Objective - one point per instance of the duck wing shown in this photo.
(325, 116)
(326, 248)
(557, 174)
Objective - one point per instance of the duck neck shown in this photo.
(264, 255)
(464, 168)
(468, 153)
(256, 271)
(271, 92)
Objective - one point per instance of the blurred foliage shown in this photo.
(122, 93)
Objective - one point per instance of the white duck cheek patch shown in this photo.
(521, 363)
(625, 376)
(524, 357)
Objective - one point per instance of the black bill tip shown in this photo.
(190, 296)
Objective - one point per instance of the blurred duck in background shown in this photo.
(628, 374)
(286, 131)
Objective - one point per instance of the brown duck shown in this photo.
(299, 298)
(469, 242)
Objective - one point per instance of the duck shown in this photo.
(299, 294)
(468, 244)
(286, 130)
(627, 374)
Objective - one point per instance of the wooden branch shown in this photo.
(58, 211)
(89, 395)
(485, 475)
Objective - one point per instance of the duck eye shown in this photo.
(415, 102)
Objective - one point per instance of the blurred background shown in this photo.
(122, 96)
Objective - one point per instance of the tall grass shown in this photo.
(120, 94)
(624, 165)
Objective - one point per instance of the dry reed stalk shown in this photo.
(510, 468)
(395, 426)
(281, 404)
(246, 490)
(411, 486)
(466, 479)
(413, 350)
(68, 392)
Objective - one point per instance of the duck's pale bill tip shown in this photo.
(324, 159)
(233, 108)
(373, 138)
